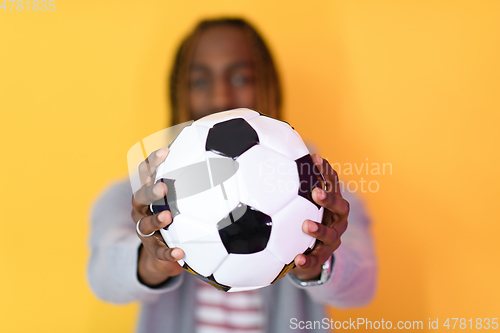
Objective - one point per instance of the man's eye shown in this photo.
(200, 83)
(239, 80)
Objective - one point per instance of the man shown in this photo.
(224, 64)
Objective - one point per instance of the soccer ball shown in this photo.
(239, 189)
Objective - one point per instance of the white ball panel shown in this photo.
(279, 136)
(287, 230)
(234, 290)
(208, 206)
(202, 134)
(230, 185)
(185, 229)
(248, 270)
(171, 238)
(267, 181)
(210, 120)
(191, 140)
(203, 249)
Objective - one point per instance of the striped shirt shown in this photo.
(220, 312)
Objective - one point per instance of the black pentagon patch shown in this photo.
(231, 138)
(210, 280)
(245, 230)
(168, 202)
(285, 271)
(310, 177)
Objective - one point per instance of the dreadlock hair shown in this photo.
(267, 85)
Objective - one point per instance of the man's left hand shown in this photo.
(327, 233)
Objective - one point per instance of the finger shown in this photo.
(165, 253)
(303, 261)
(155, 243)
(160, 250)
(318, 160)
(153, 223)
(314, 259)
(333, 202)
(149, 194)
(148, 167)
(330, 175)
(329, 236)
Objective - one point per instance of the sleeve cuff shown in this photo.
(170, 284)
(325, 276)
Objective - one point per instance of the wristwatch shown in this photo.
(326, 271)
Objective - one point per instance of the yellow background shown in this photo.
(411, 83)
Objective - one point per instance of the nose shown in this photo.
(221, 96)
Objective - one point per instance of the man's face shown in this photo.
(222, 74)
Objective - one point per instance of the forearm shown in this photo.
(352, 281)
(112, 274)
(353, 277)
(114, 247)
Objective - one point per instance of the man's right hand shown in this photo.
(157, 262)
